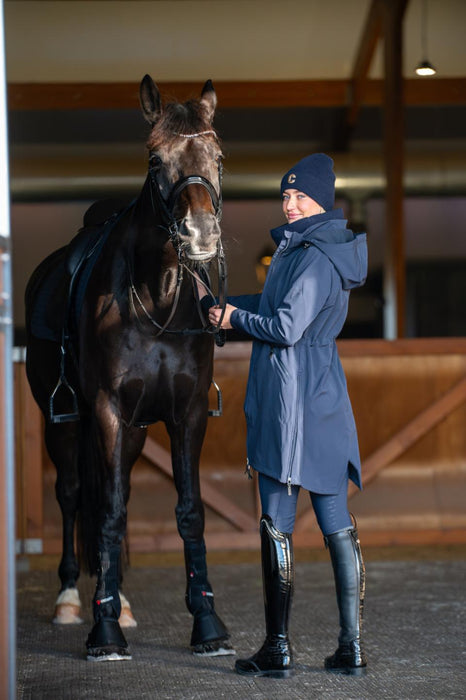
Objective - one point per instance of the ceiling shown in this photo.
(282, 72)
(180, 40)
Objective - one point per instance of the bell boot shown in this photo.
(350, 580)
(274, 658)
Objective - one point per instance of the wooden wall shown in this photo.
(409, 400)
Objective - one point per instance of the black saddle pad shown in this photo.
(48, 297)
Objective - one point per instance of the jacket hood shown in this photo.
(327, 232)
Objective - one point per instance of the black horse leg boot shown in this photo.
(348, 568)
(106, 640)
(209, 635)
(274, 658)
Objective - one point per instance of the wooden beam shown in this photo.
(371, 34)
(228, 510)
(394, 259)
(400, 442)
(233, 94)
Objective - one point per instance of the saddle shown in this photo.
(98, 215)
(63, 275)
(61, 286)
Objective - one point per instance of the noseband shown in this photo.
(167, 208)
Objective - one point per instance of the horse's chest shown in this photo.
(162, 386)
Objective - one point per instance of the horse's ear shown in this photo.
(209, 99)
(149, 97)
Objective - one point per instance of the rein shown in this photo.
(167, 207)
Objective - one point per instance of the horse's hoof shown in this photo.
(99, 654)
(67, 608)
(106, 642)
(126, 618)
(208, 628)
(221, 647)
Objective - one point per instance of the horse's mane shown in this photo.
(178, 118)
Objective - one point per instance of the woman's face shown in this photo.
(297, 205)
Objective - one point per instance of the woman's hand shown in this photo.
(216, 311)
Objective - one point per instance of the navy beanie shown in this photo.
(314, 176)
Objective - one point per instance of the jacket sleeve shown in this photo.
(301, 303)
(248, 302)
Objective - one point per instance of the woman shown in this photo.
(301, 430)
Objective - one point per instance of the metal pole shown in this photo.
(7, 487)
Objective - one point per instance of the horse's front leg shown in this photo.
(209, 634)
(120, 446)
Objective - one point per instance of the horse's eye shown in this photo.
(155, 161)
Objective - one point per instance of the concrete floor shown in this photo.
(415, 619)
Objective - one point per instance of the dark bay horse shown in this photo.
(116, 341)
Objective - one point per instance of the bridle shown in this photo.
(166, 206)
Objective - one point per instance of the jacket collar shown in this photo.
(306, 225)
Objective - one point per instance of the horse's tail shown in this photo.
(90, 474)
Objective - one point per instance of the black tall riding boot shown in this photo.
(275, 657)
(348, 568)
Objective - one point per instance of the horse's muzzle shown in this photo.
(199, 238)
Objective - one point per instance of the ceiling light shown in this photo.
(425, 67)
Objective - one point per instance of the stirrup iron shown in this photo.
(72, 415)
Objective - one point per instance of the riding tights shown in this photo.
(331, 510)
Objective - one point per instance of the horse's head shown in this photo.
(185, 166)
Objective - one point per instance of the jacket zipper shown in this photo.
(295, 438)
(277, 257)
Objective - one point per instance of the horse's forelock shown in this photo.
(187, 118)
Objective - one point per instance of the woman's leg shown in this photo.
(341, 538)
(331, 511)
(278, 503)
(275, 658)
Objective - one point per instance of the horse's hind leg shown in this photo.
(209, 634)
(61, 442)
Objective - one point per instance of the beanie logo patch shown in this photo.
(291, 178)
